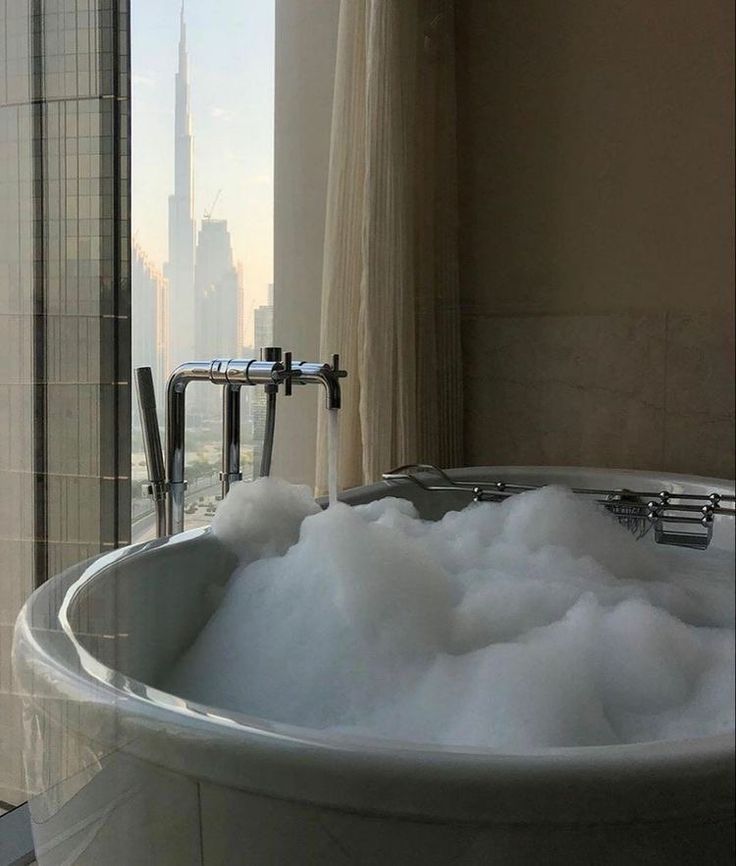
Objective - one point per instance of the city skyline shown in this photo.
(192, 306)
(232, 152)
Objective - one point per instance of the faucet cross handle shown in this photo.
(285, 372)
(336, 371)
(288, 373)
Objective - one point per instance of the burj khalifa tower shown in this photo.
(180, 268)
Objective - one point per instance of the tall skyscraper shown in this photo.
(149, 319)
(263, 326)
(241, 301)
(180, 268)
(217, 293)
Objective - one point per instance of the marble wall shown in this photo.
(596, 245)
(641, 391)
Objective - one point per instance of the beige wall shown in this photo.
(596, 189)
(596, 212)
(306, 41)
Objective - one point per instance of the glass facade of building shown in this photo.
(64, 306)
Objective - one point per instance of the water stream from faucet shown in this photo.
(333, 453)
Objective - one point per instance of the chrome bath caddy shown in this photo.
(673, 516)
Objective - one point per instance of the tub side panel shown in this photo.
(274, 831)
(130, 813)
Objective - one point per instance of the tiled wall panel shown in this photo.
(64, 304)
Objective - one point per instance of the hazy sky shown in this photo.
(231, 74)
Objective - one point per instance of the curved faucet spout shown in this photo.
(326, 375)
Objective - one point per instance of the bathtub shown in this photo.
(123, 773)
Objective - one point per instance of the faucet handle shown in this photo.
(271, 354)
(335, 366)
(288, 373)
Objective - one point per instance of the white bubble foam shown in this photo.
(262, 517)
(536, 622)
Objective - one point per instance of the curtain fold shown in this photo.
(390, 298)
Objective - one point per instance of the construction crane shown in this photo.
(208, 213)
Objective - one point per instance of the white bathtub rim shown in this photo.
(291, 762)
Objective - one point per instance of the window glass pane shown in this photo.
(202, 218)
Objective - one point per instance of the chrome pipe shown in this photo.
(230, 437)
(233, 374)
(175, 417)
(221, 371)
(268, 433)
(271, 353)
(156, 487)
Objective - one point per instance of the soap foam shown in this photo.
(536, 622)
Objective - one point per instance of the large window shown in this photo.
(202, 217)
(197, 268)
(82, 299)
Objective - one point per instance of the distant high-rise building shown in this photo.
(217, 294)
(149, 319)
(241, 301)
(180, 268)
(263, 326)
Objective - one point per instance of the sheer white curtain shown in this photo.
(390, 301)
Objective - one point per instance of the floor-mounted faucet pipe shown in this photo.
(233, 374)
(221, 371)
(268, 432)
(230, 437)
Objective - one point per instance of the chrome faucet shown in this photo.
(270, 372)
